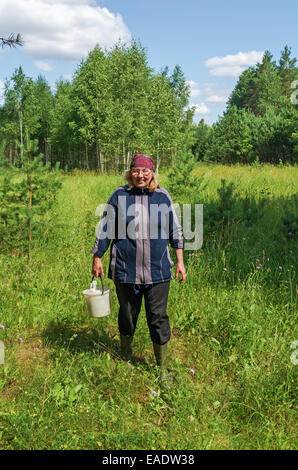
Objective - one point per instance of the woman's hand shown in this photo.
(180, 269)
(97, 267)
(180, 265)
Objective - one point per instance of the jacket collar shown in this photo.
(139, 191)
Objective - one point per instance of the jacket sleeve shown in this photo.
(175, 229)
(106, 228)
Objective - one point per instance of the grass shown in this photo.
(63, 384)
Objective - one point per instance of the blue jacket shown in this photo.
(139, 224)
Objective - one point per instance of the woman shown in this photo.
(140, 219)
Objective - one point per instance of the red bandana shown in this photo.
(142, 160)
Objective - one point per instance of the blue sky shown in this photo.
(212, 41)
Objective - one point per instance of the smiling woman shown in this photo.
(140, 264)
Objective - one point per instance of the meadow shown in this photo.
(63, 384)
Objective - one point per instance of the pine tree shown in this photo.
(287, 70)
(181, 181)
(26, 195)
(244, 94)
(268, 86)
(12, 41)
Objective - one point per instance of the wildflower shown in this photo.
(20, 339)
(192, 372)
(243, 238)
(290, 233)
(225, 269)
(2, 327)
(154, 393)
(254, 287)
(259, 267)
(280, 268)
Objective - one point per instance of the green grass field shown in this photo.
(63, 384)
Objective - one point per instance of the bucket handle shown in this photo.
(102, 288)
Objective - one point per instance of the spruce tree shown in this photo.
(26, 195)
(287, 70)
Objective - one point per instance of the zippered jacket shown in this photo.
(139, 225)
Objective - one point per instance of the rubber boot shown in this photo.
(160, 352)
(126, 350)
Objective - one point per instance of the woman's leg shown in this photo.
(130, 305)
(156, 299)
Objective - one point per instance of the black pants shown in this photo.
(156, 298)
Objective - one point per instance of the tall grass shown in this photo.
(63, 384)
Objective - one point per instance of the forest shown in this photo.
(233, 349)
(117, 105)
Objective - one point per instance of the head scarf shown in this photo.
(142, 160)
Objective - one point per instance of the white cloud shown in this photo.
(61, 29)
(194, 90)
(67, 76)
(217, 99)
(200, 109)
(81, 2)
(232, 65)
(209, 93)
(228, 71)
(43, 66)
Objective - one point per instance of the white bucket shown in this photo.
(98, 301)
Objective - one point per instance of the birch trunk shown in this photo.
(101, 162)
(86, 155)
(97, 158)
(21, 135)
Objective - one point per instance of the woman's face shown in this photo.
(141, 176)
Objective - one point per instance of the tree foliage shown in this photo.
(116, 105)
(260, 122)
(26, 195)
(12, 41)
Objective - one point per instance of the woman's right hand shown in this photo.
(97, 267)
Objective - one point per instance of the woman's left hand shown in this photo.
(180, 269)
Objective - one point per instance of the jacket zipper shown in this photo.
(143, 234)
